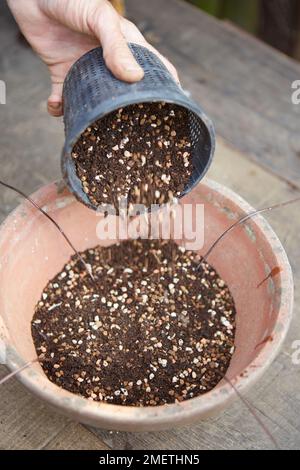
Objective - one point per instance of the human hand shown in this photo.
(61, 31)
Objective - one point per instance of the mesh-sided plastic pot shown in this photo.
(91, 91)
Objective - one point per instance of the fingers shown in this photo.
(55, 105)
(98, 18)
(117, 55)
(133, 34)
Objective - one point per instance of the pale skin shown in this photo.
(61, 31)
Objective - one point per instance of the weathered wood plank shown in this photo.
(75, 437)
(31, 141)
(25, 422)
(243, 84)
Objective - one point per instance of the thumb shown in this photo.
(106, 26)
(97, 18)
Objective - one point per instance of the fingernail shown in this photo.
(134, 71)
(131, 66)
(55, 105)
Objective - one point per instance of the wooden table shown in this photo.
(246, 88)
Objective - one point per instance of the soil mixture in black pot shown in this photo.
(141, 153)
(151, 330)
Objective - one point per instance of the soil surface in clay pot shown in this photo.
(141, 153)
(152, 329)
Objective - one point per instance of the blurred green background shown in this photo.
(243, 12)
(277, 22)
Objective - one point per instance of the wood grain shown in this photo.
(75, 437)
(245, 86)
(25, 422)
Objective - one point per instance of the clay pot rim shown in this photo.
(164, 416)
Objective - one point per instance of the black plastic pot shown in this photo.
(91, 91)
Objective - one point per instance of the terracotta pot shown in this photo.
(32, 252)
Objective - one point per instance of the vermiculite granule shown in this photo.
(141, 152)
(151, 330)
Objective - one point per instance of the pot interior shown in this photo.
(32, 251)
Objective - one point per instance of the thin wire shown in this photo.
(241, 397)
(244, 219)
(18, 191)
(12, 374)
(253, 412)
(239, 222)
